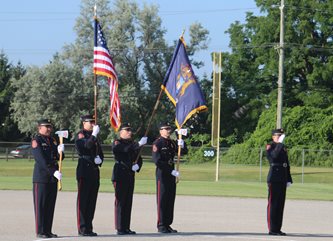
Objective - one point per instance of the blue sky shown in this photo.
(32, 31)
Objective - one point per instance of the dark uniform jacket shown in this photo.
(125, 153)
(279, 164)
(164, 151)
(44, 150)
(87, 147)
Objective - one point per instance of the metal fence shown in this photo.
(306, 164)
(7, 148)
(303, 161)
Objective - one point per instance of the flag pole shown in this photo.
(154, 111)
(95, 76)
(149, 122)
(95, 98)
(178, 155)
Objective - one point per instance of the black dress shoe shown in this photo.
(88, 234)
(43, 235)
(121, 232)
(52, 235)
(172, 230)
(279, 233)
(128, 231)
(163, 230)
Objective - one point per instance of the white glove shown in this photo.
(57, 175)
(95, 130)
(288, 184)
(181, 143)
(98, 160)
(135, 167)
(281, 138)
(61, 148)
(143, 141)
(175, 173)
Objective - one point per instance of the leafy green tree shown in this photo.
(251, 69)
(140, 53)
(8, 129)
(306, 127)
(56, 91)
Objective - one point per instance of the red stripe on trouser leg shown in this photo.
(115, 207)
(269, 207)
(158, 202)
(78, 205)
(36, 206)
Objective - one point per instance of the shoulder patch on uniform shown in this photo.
(155, 148)
(34, 143)
(268, 146)
(116, 142)
(80, 135)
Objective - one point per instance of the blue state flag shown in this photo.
(181, 86)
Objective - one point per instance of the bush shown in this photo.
(196, 154)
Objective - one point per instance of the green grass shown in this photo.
(199, 179)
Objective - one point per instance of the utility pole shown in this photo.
(281, 60)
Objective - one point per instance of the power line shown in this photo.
(166, 50)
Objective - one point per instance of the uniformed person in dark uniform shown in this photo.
(125, 151)
(163, 153)
(45, 150)
(278, 179)
(87, 174)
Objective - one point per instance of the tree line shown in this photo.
(62, 89)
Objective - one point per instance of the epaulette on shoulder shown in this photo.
(268, 146)
(80, 134)
(159, 139)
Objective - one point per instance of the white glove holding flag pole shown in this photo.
(57, 175)
(281, 138)
(98, 160)
(95, 130)
(175, 173)
(61, 148)
(135, 167)
(143, 141)
(181, 143)
(288, 184)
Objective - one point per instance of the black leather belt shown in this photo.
(122, 163)
(279, 164)
(171, 162)
(87, 157)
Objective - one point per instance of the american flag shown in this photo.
(114, 104)
(103, 65)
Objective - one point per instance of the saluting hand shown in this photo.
(95, 130)
(281, 138)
